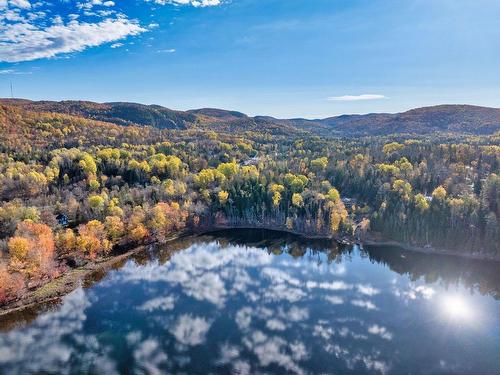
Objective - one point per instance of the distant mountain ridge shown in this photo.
(118, 113)
(465, 119)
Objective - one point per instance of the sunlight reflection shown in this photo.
(456, 307)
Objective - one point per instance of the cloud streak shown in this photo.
(195, 3)
(355, 98)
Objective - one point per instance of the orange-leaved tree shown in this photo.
(32, 248)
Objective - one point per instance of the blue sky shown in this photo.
(285, 58)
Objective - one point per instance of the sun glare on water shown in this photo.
(456, 307)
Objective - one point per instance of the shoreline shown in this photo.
(71, 280)
(432, 250)
(370, 241)
(65, 284)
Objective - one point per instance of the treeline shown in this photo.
(73, 190)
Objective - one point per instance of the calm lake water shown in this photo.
(250, 302)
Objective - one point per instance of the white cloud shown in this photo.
(295, 314)
(275, 325)
(242, 368)
(202, 271)
(380, 331)
(283, 292)
(195, 3)
(334, 300)
(413, 292)
(170, 50)
(369, 305)
(278, 276)
(274, 350)
(228, 353)
(91, 4)
(31, 30)
(352, 98)
(24, 41)
(24, 4)
(323, 331)
(367, 290)
(190, 330)
(208, 287)
(299, 351)
(334, 285)
(159, 303)
(244, 318)
(53, 339)
(150, 358)
(229, 356)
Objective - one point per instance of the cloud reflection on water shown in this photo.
(232, 307)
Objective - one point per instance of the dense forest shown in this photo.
(76, 186)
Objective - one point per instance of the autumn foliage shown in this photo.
(166, 218)
(92, 239)
(119, 186)
(32, 248)
(32, 251)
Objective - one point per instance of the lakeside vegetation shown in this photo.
(121, 186)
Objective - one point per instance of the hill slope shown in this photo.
(459, 119)
(117, 113)
(465, 119)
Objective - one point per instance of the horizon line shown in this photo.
(309, 118)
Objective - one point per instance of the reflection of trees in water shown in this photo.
(274, 241)
(478, 276)
(24, 317)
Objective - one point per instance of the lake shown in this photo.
(253, 301)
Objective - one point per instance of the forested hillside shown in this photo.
(465, 119)
(73, 189)
(116, 113)
(454, 119)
